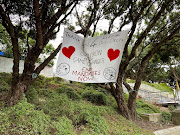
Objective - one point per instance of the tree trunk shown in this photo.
(120, 100)
(122, 105)
(15, 93)
(132, 104)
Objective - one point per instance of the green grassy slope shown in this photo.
(52, 106)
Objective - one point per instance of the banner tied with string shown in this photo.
(90, 60)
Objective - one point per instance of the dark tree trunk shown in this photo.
(122, 104)
(132, 104)
(118, 94)
(15, 93)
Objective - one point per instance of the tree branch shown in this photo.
(16, 55)
(38, 25)
(50, 32)
(134, 27)
(42, 65)
(174, 73)
(149, 27)
(55, 17)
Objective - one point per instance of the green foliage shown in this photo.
(39, 82)
(166, 116)
(121, 126)
(32, 95)
(54, 80)
(4, 86)
(96, 123)
(48, 49)
(160, 86)
(5, 81)
(143, 107)
(6, 77)
(89, 118)
(23, 119)
(4, 122)
(5, 41)
(72, 94)
(57, 105)
(126, 97)
(171, 107)
(63, 126)
(130, 81)
(95, 97)
(54, 112)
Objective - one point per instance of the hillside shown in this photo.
(52, 106)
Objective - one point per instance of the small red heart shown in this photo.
(68, 51)
(113, 54)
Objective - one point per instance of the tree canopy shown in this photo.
(154, 28)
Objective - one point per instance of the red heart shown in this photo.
(68, 51)
(113, 54)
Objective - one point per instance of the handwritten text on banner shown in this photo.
(90, 60)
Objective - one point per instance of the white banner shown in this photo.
(91, 60)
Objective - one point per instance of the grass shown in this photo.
(54, 107)
(160, 86)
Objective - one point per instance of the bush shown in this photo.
(39, 82)
(92, 85)
(72, 94)
(23, 119)
(57, 105)
(166, 116)
(89, 120)
(32, 95)
(4, 122)
(6, 77)
(54, 80)
(4, 86)
(95, 97)
(96, 123)
(171, 107)
(63, 126)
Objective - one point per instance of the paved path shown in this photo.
(168, 131)
(152, 94)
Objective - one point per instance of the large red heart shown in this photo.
(113, 54)
(68, 51)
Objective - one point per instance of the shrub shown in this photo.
(55, 80)
(23, 119)
(32, 95)
(4, 122)
(166, 116)
(92, 85)
(4, 86)
(6, 77)
(93, 121)
(95, 97)
(72, 94)
(39, 82)
(63, 126)
(57, 105)
(171, 107)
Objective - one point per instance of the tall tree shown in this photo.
(43, 19)
(153, 25)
